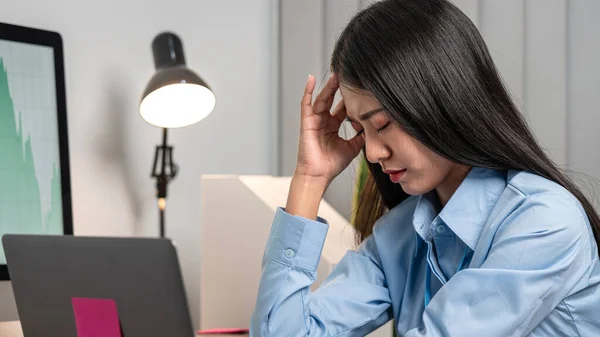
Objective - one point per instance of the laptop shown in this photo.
(55, 276)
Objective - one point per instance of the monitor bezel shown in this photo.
(51, 39)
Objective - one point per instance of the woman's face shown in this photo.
(411, 164)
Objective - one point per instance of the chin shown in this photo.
(411, 189)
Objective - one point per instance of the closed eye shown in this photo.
(361, 131)
(381, 129)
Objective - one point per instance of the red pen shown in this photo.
(223, 332)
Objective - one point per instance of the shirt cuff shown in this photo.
(296, 241)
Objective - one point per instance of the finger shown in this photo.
(329, 103)
(306, 102)
(325, 98)
(340, 113)
(357, 143)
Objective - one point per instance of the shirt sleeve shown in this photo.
(540, 252)
(353, 301)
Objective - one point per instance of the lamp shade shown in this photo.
(175, 96)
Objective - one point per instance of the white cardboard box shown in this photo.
(237, 213)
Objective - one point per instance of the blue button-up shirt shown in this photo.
(511, 254)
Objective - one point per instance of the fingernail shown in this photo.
(309, 75)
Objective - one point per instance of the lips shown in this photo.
(395, 175)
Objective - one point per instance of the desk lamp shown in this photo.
(174, 97)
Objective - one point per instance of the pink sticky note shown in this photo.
(95, 317)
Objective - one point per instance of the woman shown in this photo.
(484, 235)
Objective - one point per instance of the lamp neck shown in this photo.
(167, 50)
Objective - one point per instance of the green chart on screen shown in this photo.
(26, 207)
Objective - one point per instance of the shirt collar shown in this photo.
(467, 210)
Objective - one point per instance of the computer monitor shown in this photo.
(34, 164)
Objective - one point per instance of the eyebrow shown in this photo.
(365, 115)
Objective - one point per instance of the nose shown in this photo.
(375, 150)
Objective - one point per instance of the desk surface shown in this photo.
(13, 329)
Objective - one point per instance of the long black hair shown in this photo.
(429, 68)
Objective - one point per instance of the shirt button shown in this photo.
(289, 252)
(441, 229)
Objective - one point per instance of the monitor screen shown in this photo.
(34, 179)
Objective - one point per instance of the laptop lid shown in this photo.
(141, 275)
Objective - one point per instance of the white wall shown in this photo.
(108, 62)
(583, 92)
(547, 51)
